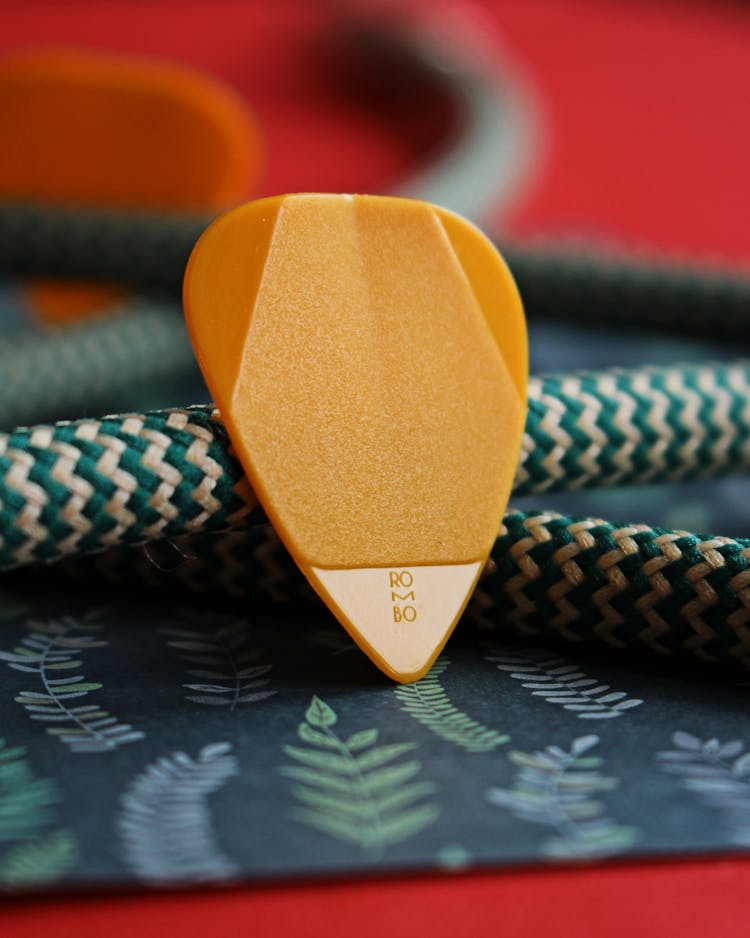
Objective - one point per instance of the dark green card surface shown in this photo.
(155, 744)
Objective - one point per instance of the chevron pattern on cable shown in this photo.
(579, 580)
(85, 485)
(632, 427)
(149, 252)
(622, 586)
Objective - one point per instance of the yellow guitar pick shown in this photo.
(368, 357)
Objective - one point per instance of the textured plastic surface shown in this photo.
(368, 355)
(89, 128)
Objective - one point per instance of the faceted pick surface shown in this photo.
(368, 356)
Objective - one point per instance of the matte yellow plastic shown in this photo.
(368, 355)
(119, 131)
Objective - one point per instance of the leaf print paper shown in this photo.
(557, 788)
(374, 777)
(719, 774)
(10, 607)
(26, 802)
(427, 701)
(354, 790)
(226, 668)
(165, 824)
(559, 681)
(27, 806)
(39, 862)
(52, 652)
(334, 641)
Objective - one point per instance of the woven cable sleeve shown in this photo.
(625, 587)
(146, 251)
(626, 291)
(149, 252)
(86, 485)
(88, 366)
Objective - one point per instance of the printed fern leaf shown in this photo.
(39, 862)
(719, 774)
(558, 681)
(52, 652)
(354, 790)
(229, 672)
(427, 701)
(165, 825)
(26, 808)
(26, 802)
(557, 788)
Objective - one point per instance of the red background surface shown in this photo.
(643, 105)
(645, 141)
(688, 899)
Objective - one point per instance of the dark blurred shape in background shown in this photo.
(567, 128)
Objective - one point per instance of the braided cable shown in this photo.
(585, 285)
(146, 251)
(149, 252)
(625, 427)
(89, 365)
(85, 485)
(580, 580)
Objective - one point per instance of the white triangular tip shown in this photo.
(402, 614)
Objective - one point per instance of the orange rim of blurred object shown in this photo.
(97, 129)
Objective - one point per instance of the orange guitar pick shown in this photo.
(368, 356)
(92, 128)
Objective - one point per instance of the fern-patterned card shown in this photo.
(152, 744)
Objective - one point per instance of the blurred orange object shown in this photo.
(126, 132)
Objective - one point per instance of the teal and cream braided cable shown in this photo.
(159, 497)
(628, 587)
(88, 364)
(122, 354)
(82, 486)
(149, 253)
(169, 479)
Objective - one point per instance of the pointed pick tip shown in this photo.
(401, 616)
